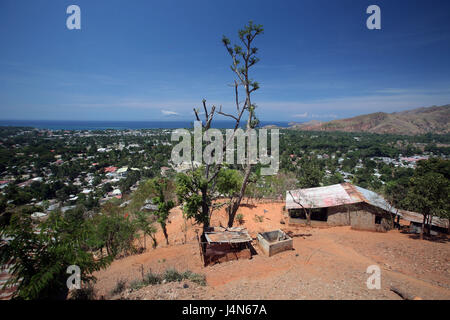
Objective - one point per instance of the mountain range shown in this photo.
(433, 119)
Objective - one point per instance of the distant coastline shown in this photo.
(121, 125)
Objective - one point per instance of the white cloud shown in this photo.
(300, 115)
(169, 113)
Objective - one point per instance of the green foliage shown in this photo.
(239, 218)
(151, 278)
(334, 179)
(189, 187)
(144, 224)
(40, 259)
(259, 218)
(195, 277)
(172, 275)
(429, 188)
(273, 186)
(169, 275)
(119, 288)
(86, 292)
(164, 193)
(136, 285)
(229, 182)
(309, 173)
(113, 230)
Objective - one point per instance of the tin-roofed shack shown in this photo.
(340, 205)
(218, 244)
(438, 225)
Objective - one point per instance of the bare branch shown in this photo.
(226, 114)
(196, 114)
(205, 108)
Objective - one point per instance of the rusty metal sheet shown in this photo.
(335, 195)
(320, 197)
(228, 236)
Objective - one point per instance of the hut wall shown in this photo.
(359, 216)
(370, 218)
(339, 216)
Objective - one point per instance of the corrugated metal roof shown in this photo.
(227, 235)
(320, 197)
(376, 200)
(335, 195)
(418, 218)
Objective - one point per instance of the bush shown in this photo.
(136, 285)
(170, 275)
(239, 218)
(60, 243)
(259, 218)
(119, 288)
(197, 278)
(152, 278)
(85, 293)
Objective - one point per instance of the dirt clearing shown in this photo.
(328, 263)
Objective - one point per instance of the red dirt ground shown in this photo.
(326, 263)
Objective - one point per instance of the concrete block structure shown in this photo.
(273, 242)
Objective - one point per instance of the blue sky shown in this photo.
(156, 60)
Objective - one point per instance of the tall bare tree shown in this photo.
(247, 53)
(198, 188)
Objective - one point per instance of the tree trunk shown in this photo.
(205, 209)
(155, 243)
(430, 221)
(163, 226)
(237, 202)
(423, 226)
(308, 217)
(230, 216)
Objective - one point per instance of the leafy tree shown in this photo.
(429, 191)
(164, 191)
(40, 259)
(196, 194)
(334, 179)
(114, 230)
(228, 184)
(146, 226)
(309, 173)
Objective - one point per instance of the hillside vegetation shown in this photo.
(418, 121)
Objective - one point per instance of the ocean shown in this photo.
(121, 125)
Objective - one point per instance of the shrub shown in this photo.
(87, 292)
(152, 278)
(136, 285)
(259, 218)
(61, 242)
(198, 278)
(172, 275)
(119, 288)
(240, 218)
